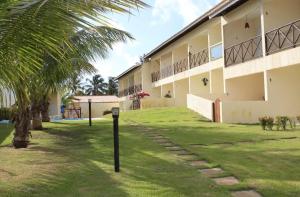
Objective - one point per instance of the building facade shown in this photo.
(237, 62)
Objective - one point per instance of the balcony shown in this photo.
(181, 66)
(199, 58)
(285, 37)
(155, 76)
(245, 51)
(167, 71)
(131, 90)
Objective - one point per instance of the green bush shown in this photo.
(5, 114)
(270, 123)
(282, 122)
(298, 118)
(266, 123)
(263, 122)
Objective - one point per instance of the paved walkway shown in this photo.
(215, 174)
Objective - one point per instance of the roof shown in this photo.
(97, 99)
(220, 9)
(132, 68)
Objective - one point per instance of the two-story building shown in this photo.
(235, 63)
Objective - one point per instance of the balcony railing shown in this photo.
(285, 37)
(155, 76)
(138, 88)
(181, 66)
(197, 59)
(166, 72)
(245, 51)
(131, 90)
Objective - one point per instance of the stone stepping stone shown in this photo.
(212, 172)
(226, 181)
(161, 140)
(174, 148)
(198, 163)
(168, 144)
(157, 137)
(189, 157)
(183, 152)
(249, 193)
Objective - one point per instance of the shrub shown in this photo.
(266, 123)
(282, 122)
(106, 112)
(263, 122)
(270, 123)
(5, 114)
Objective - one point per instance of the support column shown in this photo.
(262, 23)
(210, 82)
(266, 85)
(223, 23)
(174, 91)
(208, 48)
(189, 72)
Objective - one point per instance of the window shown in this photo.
(216, 51)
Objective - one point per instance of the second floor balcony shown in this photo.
(130, 90)
(245, 51)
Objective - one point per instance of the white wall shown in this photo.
(249, 87)
(181, 90)
(200, 105)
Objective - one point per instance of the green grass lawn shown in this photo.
(260, 159)
(72, 159)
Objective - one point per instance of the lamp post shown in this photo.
(115, 115)
(90, 112)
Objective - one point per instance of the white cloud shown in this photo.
(164, 10)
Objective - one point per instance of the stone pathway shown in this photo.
(227, 181)
(214, 173)
(248, 193)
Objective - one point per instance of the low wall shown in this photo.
(157, 102)
(245, 111)
(97, 109)
(200, 105)
(126, 105)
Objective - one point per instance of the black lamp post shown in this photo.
(90, 112)
(115, 115)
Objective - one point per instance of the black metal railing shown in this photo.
(155, 76)
(287, 36)
(166, 72)
(138, 88)
(245, 51)
(181, 66)
(197, 59)
(131, 90)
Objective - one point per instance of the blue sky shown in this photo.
(149, 27)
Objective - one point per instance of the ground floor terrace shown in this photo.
(238, 98)
(163, 152)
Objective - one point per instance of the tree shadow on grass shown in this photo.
(87, 156)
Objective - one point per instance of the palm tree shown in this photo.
(112, 88)
(96, 86)
(30, 29)
(76, 87)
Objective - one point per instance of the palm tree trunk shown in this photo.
(36, 116)
(45, 110)
(22, 124)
